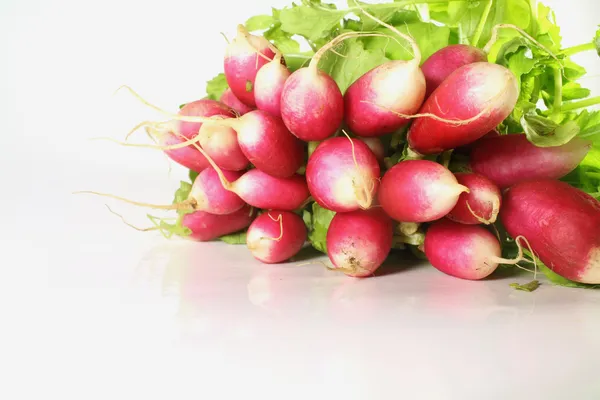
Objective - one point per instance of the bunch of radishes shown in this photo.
(250, 150)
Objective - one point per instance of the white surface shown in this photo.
(94, 310)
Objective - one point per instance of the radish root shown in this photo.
(493, 216)
(152, 228)
(186, 205)
(364, 194)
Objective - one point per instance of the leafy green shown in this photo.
(216, 86)
(259, 22)
(234, 238)
(527, 287)
(544, 132)
(313, 20)
(320, 218)
(597, 41)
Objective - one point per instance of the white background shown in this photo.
(92, 309)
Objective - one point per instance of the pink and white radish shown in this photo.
(275, 236)
(419, 191)
(509, 159)
(480, 205)
(268, 85)
(205, 226)
(244, 57)
(199, 108)
(358, 242)
(312, 106)
(207, 194)
(221, 144)
(473, 100)
(188, 156)
(372, 103)
(343, 174)
(464, 251)
(229, 99)
(561, 223)
(446, 60)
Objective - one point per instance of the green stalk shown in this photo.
(481, 24)
(574, 105)
(569, 51)
(557, 105)
(534, 25)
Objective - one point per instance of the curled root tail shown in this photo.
(413, 44)
(520, 257)
(187, 205)
(495, 210)
(280, 220)
(243, 32)
(151, 127)
(152, 228)
(364, 190)
(494, 39)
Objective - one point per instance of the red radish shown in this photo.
(358, 242)
(188, 156)
(262, 137)
(446, 60)
(275, 236)
(466, 149)
(269, 85)
(561, 223)
(205, 226)
(342, 174)
(229, 99)
(221, 144)
(510, 159)
(199, 108)
(464, 251)
(245, 55)
(376, 147)
(419, 191)
(207, 194)
(372, 103)
(480, 205)
(473, 100)
(312, 106)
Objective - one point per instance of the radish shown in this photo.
(376, 147)
(244, 57)
(510, 159)
(205, 226)
(480, 205)
(372, 103)
(188, 157)
(221, 144)
(275, 236)
(464, 251)
(229, 99)
(342, 174)
(561, 223)
(199, 108)
(207, 194)
(262, 137)
(419, 191)
(446, 60)
(358, 242)
(268, 85)
(473, 100)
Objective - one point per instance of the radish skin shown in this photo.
(229, 99)
(268, 86)
(188, 157)
(561, 223)
(275, 236)
(199, 108)
(342, 174)
(419, 191)
(205, 226)
(480, 205)
(221, 144)
(477, 96)
(358, 242)
(510, 159)
(242, 62)
(209, 195)
(376, 147)
(447, 60)
(464, 251)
